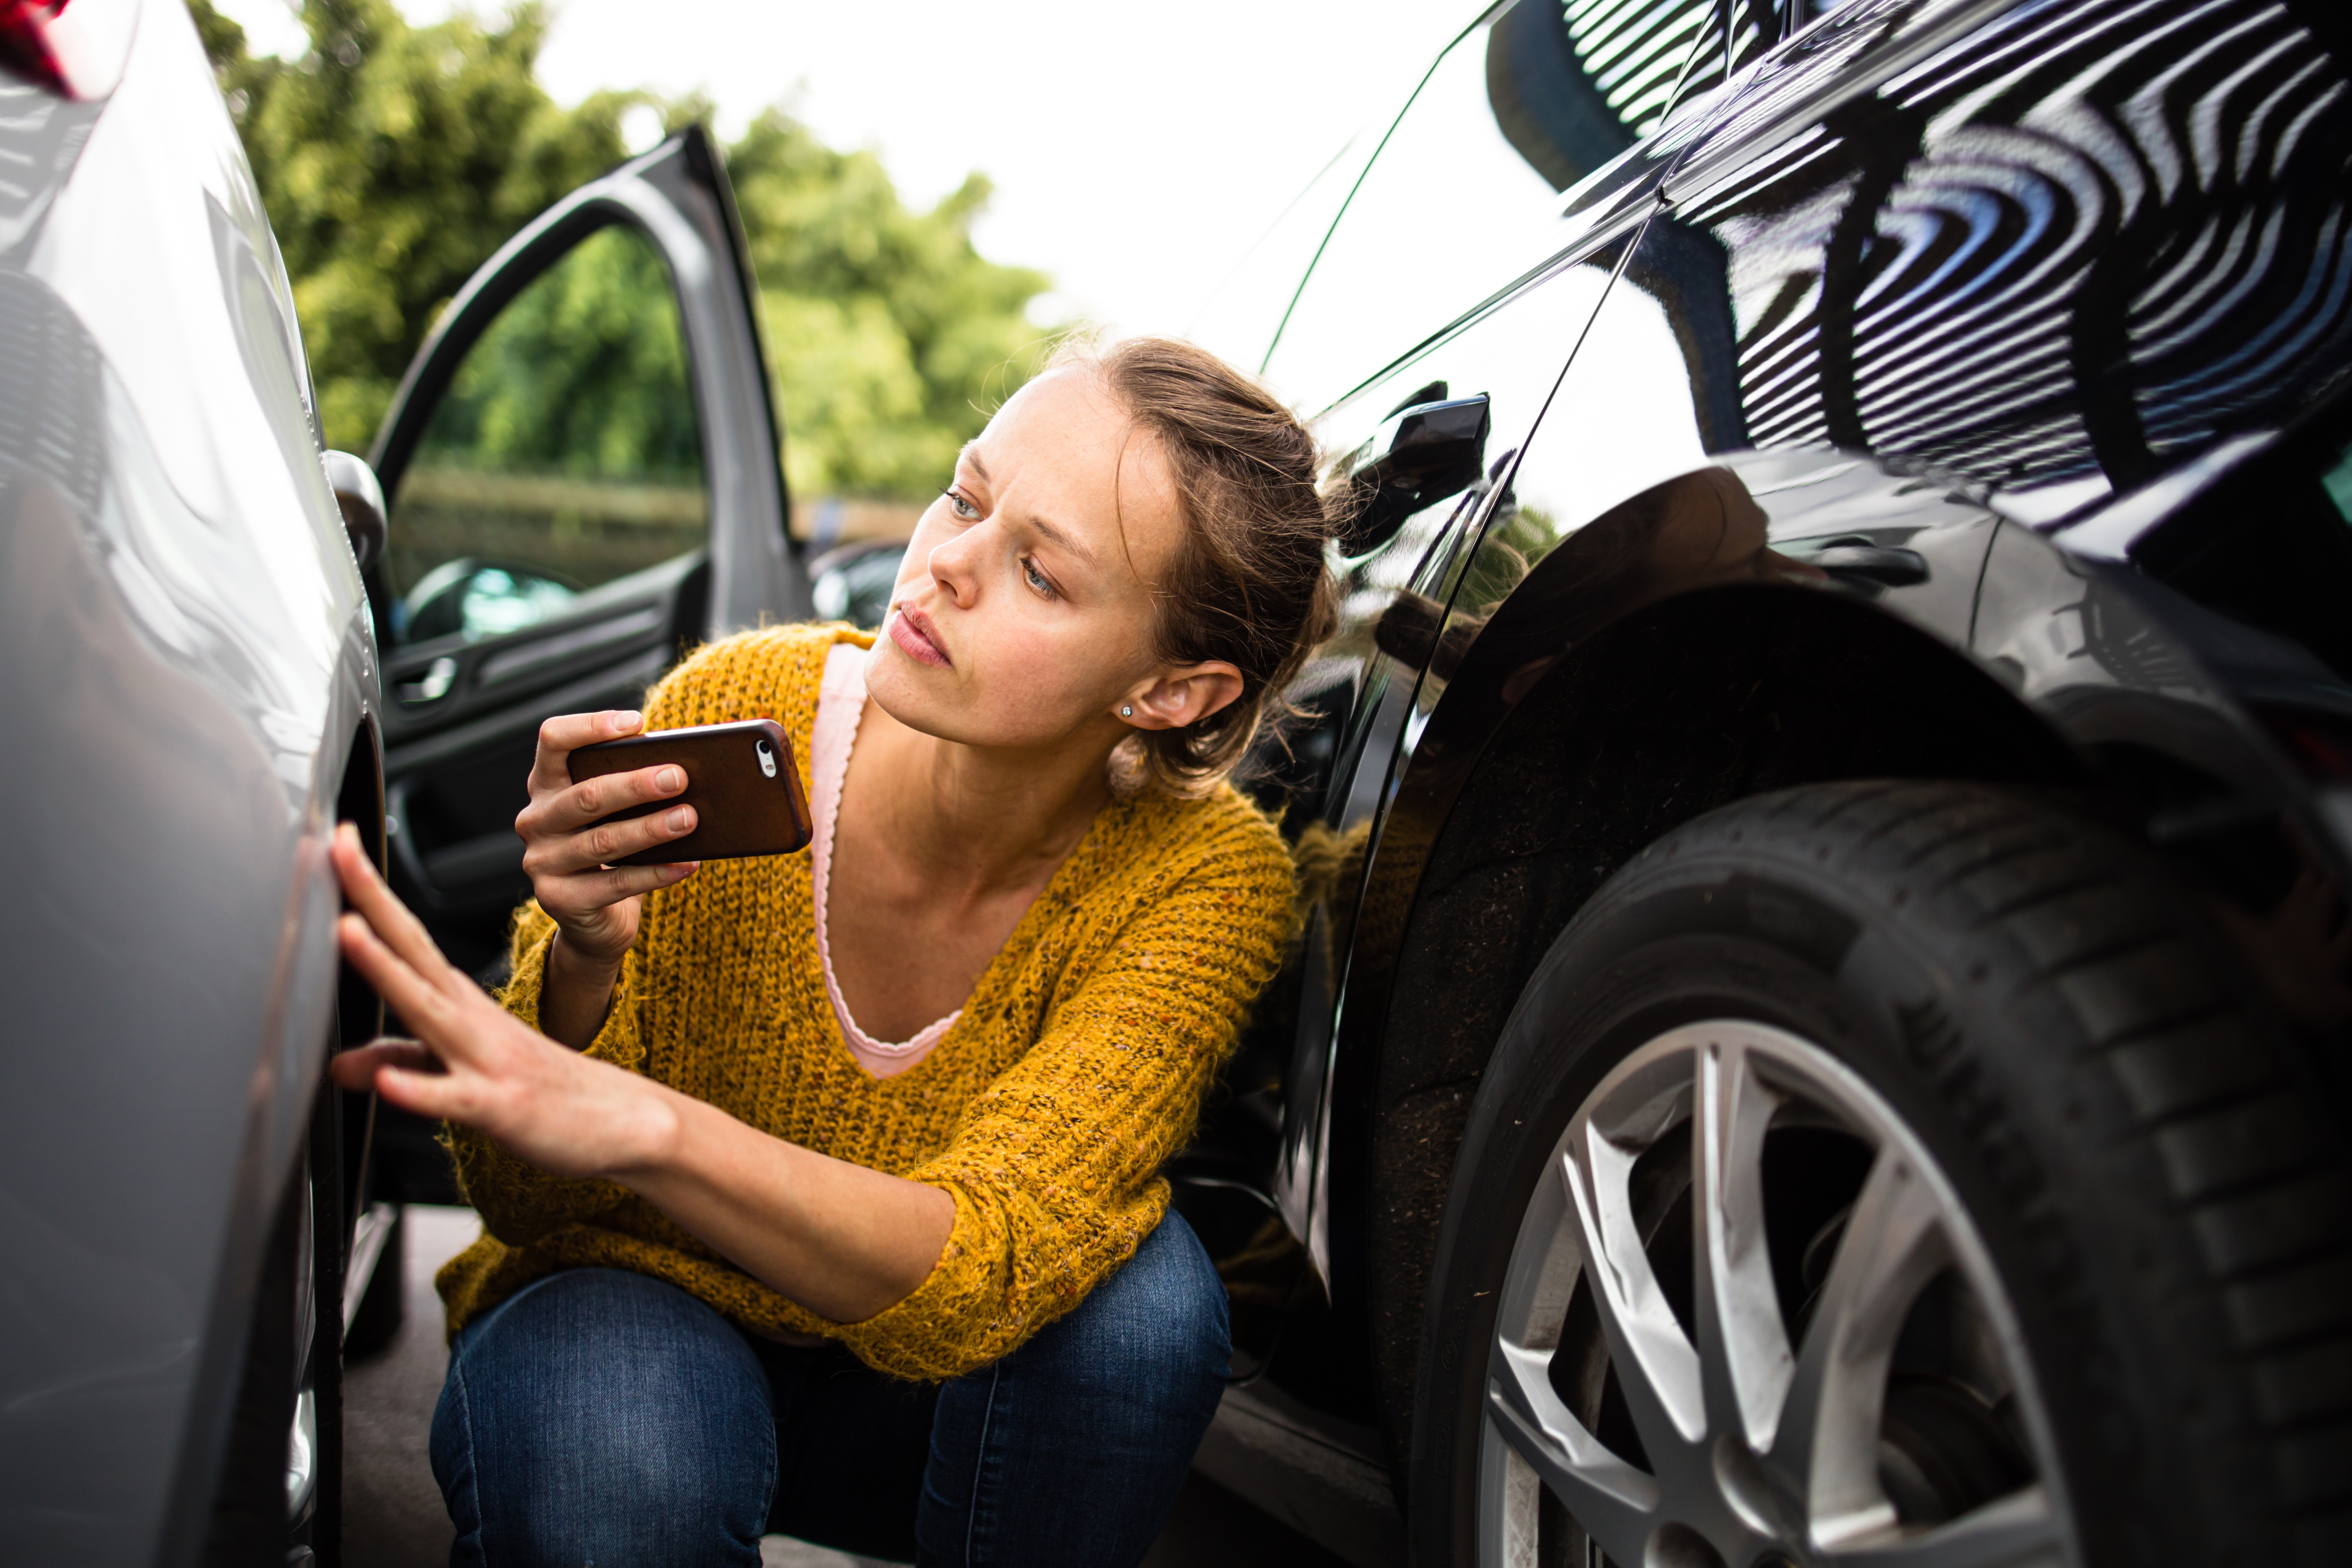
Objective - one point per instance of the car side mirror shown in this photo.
(361, 500)
(1419, 457)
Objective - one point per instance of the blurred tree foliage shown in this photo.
(576, 377)
(393, 159)
(892, 336)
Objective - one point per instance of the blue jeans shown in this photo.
(598, 1416)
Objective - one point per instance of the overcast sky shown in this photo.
(1138, 151)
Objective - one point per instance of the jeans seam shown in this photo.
(473, 1464)
(980, 1462)
(775, 1479)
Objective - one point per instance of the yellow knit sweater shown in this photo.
(1077, 1066)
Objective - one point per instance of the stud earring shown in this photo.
(1125, 712)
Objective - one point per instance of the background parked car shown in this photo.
(1821, 1029)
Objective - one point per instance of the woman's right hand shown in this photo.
(569, 854)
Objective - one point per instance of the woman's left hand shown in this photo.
(475, 1063)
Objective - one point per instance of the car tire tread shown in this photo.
(2168, 1075)
(2155, 992)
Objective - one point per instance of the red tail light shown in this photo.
(76, 53)
(24, 44)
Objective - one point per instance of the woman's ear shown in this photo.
(1180, 697)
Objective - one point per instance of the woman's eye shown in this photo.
(963, 509)
(1037, 580)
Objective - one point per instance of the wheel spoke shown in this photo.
(1744, 1354)
(2016, 1531)
(1657, 1367)
(1614, 1501)
(1766, 1441)
(1893, 1244)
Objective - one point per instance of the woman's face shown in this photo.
(1023, 617)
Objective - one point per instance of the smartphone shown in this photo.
(739, 779)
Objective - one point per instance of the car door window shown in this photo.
(1239, 317)
(1535, 98)
(1391, 585)
(565, 455)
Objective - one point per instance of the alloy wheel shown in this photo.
(1747, 1324)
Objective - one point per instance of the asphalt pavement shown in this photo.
(393, 1516)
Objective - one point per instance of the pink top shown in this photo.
(840, 704)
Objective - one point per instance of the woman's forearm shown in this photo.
(844, 1241)
(574, 994)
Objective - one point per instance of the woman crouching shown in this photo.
(820, 1192)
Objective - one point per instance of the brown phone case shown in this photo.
(739, 779)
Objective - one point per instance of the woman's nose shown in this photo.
(951, 566)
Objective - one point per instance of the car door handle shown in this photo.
(1886, 564)
(1418, 457)
(427, 685)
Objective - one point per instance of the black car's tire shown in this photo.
(2151, 1171)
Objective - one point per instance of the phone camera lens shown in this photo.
(767, 758)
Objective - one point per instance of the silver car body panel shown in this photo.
(190, 671)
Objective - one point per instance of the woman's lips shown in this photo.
(918, 638)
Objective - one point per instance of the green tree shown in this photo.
(892, 336)
(392, 161)
(575, 377)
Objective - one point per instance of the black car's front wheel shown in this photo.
(1889, 1174)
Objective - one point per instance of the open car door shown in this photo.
(582, 468)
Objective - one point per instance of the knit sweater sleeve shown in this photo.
(519, 1203)
(1054, 1167)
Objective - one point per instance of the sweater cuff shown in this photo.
(519, 1203)
(931, 1336)
(617, 1038)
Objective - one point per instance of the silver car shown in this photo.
(193, 595)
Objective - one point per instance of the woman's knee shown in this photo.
(1171, 1279)
(603, 1415)
(1072, 1447)
(1160, 1321)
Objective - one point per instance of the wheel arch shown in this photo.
(1676, 710)
(356, 794)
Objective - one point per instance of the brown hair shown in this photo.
(1248, 585)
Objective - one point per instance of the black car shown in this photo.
(1818, 1031)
